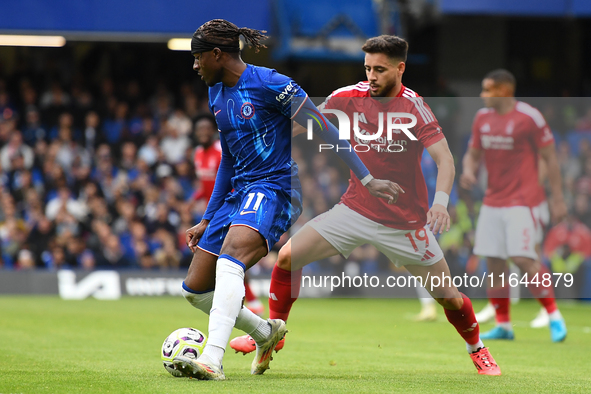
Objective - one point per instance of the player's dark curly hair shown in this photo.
(222, 31)
(392, 46)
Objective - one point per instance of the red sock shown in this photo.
(500, 299)
(284, 291)
(248, 294)
(544, 294)
(464, 321)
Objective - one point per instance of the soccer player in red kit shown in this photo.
(402, 231)
(511, 135)
(208, 156)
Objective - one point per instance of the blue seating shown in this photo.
(306, 26)
(574, 139)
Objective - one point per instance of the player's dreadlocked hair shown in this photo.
(220, 31)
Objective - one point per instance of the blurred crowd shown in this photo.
(99, 179)
(105, 178)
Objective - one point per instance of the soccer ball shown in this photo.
(188, 342)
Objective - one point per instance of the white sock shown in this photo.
(226, 305)
(506, 325)
(201, 301)
(262, 332)
(556, 315)
(253, 324)
(246, 321)
(473, 348)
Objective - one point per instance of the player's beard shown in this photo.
(383, 90)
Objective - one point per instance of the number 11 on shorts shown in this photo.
(257, 204)
(420, 235)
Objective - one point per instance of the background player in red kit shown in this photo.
(511, 134)
(208, 156)
(402, 231)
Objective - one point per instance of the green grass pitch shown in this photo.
(334, 346)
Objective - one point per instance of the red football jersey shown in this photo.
(207, 162)
(577, 236)
(398, 159)
(510, 143)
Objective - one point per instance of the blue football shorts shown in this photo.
(264, 207)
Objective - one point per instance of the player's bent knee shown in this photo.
(526, 263)
(451, 303)
(201, 301)
(284, 258)
(245, 249)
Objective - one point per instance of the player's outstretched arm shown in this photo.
(329, 133)
(438, 217)
(470, 164)
(223, 185)
(193, 234)
(384, 189)
(223, 181)
(558, 207)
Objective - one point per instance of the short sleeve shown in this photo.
(283, 92)
(427, 129)
(331, 102)
(474, 141)
(541, 133)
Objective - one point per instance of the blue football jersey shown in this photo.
(254, 119)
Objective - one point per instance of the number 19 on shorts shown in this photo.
(420, 235)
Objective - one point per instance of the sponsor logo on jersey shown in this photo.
(287, 94)
(247, 110)
(496, 142)
(381, 144)
(485, 128)
(393, 121)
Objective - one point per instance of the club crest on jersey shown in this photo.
(247, 110)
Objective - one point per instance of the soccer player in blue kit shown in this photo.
(257, 194)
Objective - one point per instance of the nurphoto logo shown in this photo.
(394, 125)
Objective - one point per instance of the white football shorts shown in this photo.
(346, 229)
(541, 215)
(505, 232)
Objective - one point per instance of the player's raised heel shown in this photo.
(486, 314)
(557, 330)
(484, 362)
(428, 313)
(197, 369)
(498, 333)
(246, 344)
(541, 320)
(263, 356)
